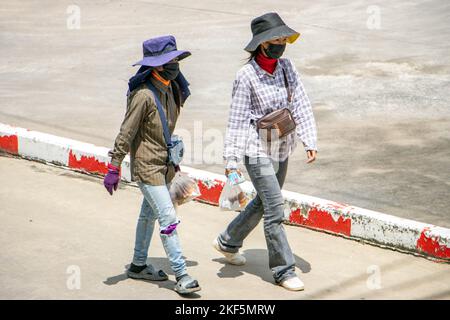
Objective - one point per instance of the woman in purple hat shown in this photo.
(158, 82)
(267, 94)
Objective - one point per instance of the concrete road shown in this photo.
(62, 236)
(378, 78)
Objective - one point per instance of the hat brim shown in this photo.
(278, 32)
(162, 59)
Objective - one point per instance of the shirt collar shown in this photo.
(261, 73)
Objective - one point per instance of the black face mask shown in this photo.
(275, 51)
(171, 71)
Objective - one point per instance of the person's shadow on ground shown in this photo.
(158, 263)
(257, 264)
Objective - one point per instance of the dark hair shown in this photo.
(253, 54)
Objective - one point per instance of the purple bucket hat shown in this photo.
(161, 50)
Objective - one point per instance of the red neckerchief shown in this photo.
(266, 63)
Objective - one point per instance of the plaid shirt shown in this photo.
(257, 93)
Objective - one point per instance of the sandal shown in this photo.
(149, 273)
(187, 285)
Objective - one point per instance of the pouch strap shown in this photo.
(162, 115)
(286, 84)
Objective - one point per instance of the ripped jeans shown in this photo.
(157, 205)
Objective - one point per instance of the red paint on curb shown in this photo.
(337, 205)
(210, 194)
(321, 219)
(89, 164)
(431, 246)
(9, 144)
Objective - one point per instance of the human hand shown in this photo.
(228, 171)
(311, 154)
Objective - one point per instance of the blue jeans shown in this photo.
(157, 205)
(267, 177)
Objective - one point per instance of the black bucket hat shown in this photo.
(268, 27)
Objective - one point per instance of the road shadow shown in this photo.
(257, 264)
(158, 263)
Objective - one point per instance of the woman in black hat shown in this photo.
(267, 84)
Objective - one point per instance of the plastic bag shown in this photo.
(232, 197)
(183, 189)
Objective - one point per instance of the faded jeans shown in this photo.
(267, 177)
(157, 205)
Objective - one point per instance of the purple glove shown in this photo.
(112, 178)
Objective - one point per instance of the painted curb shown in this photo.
(319, 214)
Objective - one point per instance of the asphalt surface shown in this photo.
(62, 236)
(380, 96)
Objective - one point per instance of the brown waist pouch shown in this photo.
(279, 123)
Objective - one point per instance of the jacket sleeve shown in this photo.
(136, 110)
(238, 122)
(302, 112)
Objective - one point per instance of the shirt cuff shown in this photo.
(310, 146)
(115, 163)
(231, 163)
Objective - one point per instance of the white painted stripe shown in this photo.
(442, 235)
(7, 130)
(38, 147)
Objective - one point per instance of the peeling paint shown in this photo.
(321, 219)
(430, 245)
(293, 205)
(90, 164)
(208, 183)
(9, 144)
(336, 215)
(210, 191)
(57, 163)
(337, 205)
